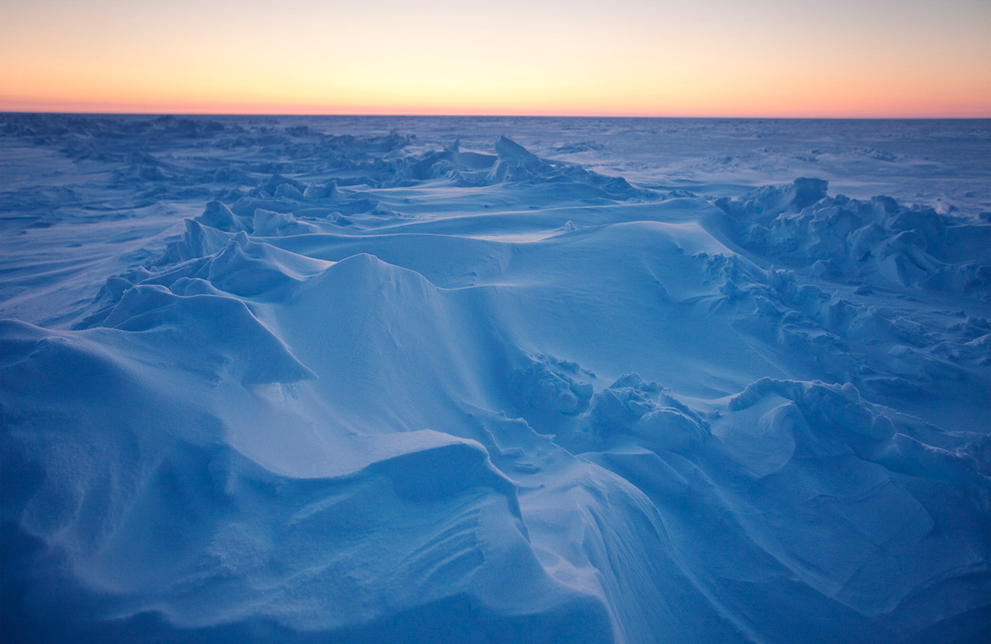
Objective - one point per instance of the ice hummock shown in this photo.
(262, 381)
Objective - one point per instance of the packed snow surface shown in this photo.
(494, 380)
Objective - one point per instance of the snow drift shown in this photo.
(376, 390)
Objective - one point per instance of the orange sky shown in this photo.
(867, 58)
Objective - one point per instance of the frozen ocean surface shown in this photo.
(409, 379)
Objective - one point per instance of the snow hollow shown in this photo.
(368, 379)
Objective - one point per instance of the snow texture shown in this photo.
(494, 380)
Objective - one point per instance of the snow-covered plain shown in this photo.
(494, 380)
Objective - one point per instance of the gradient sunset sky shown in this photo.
(836, 58)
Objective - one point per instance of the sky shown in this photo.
(727, 58)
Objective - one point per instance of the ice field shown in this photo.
(438, 379)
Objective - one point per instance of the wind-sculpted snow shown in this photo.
(265, 382)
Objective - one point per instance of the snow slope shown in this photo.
(308, 380)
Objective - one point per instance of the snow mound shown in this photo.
(879, 242)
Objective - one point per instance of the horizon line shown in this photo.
(493, 115)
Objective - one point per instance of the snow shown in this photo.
(369, 379)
